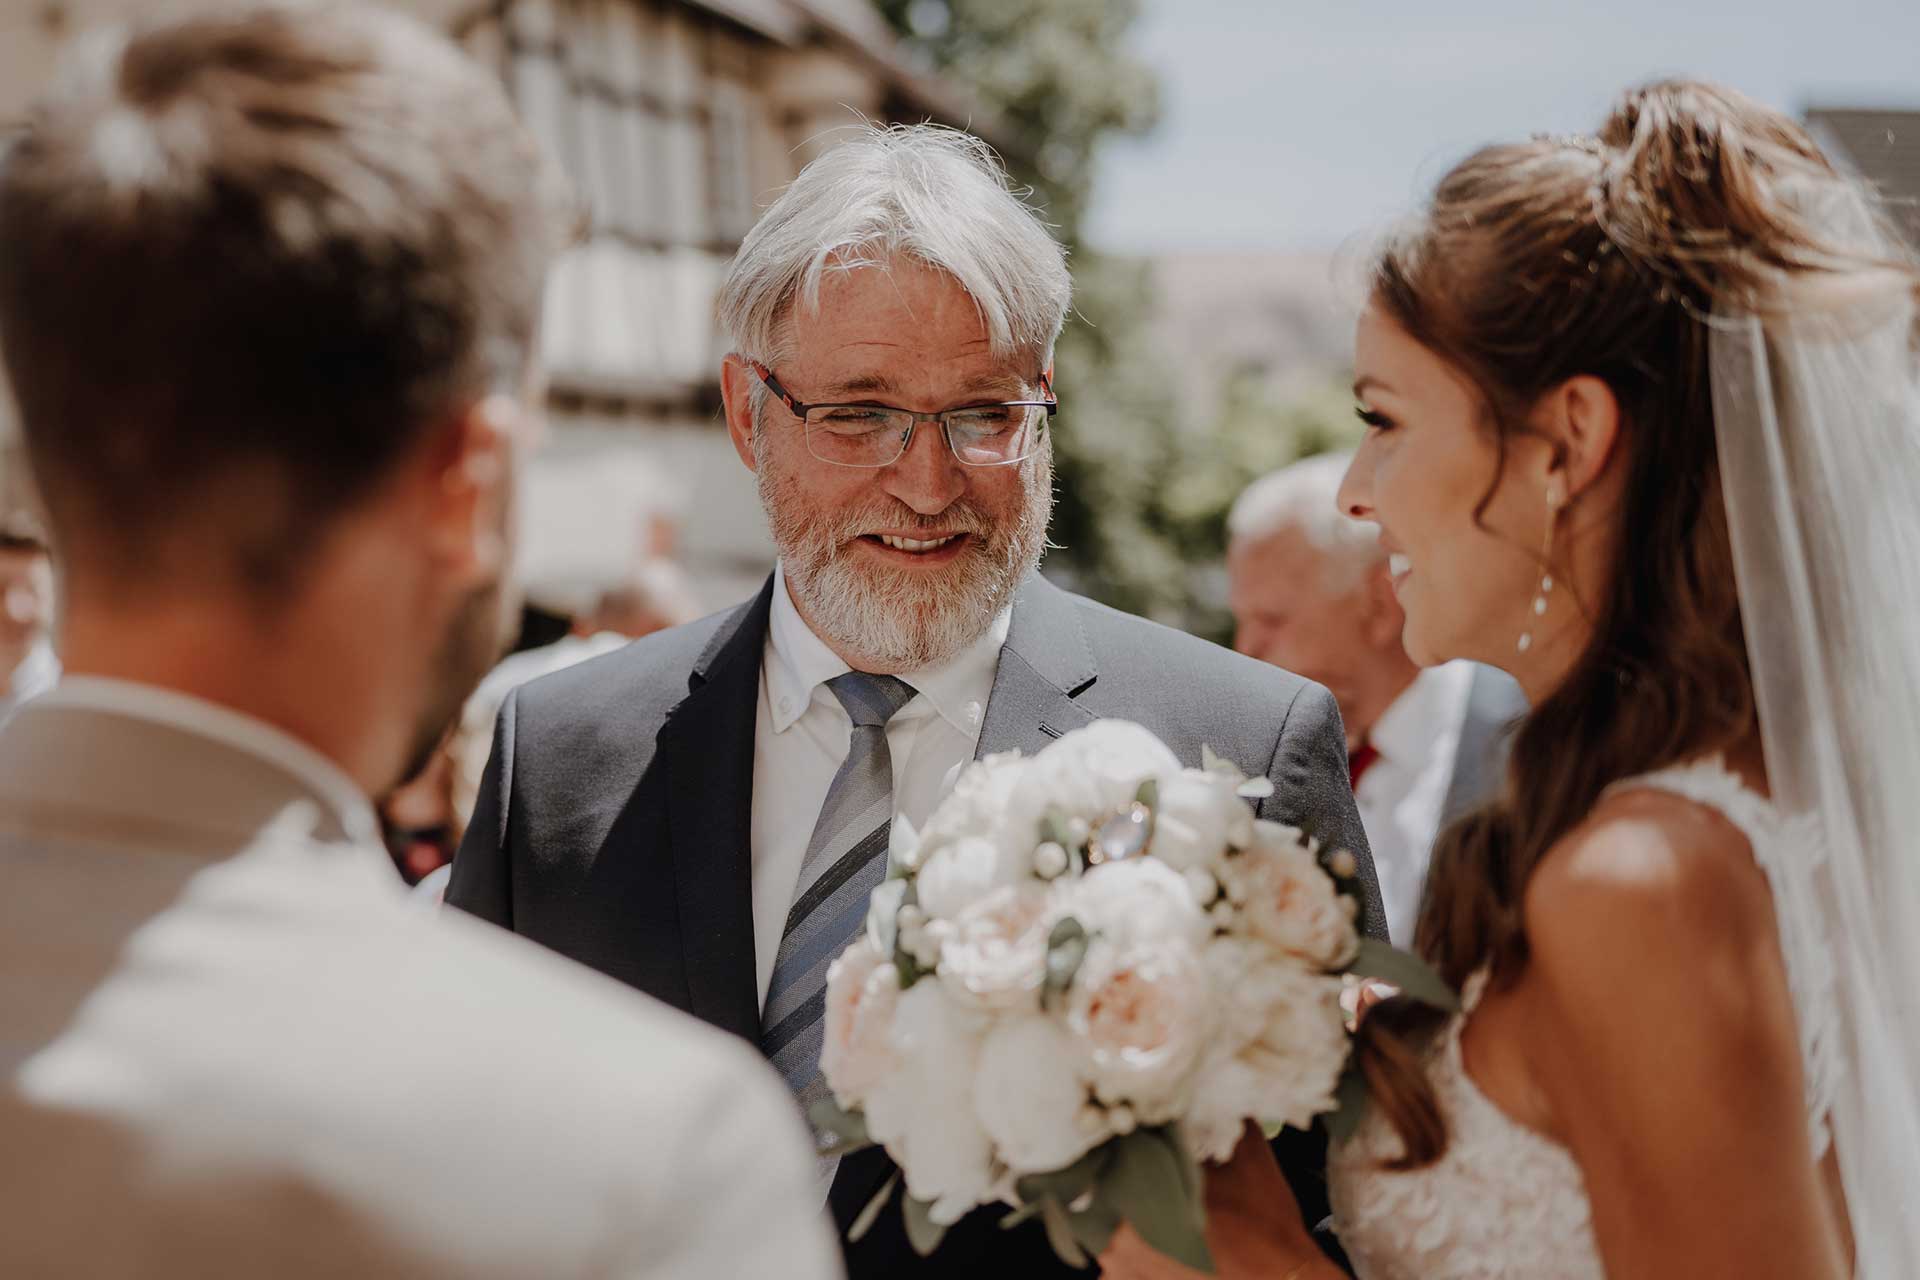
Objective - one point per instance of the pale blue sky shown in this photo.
(1292, 125)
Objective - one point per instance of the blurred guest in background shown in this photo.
(425, 817)
(28, 666)
(268, 303)
(1312, 591)
(418, 818)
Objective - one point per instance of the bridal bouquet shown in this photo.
(1085, 976)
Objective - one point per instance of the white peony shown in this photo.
(1298, 1060)
(1090, 773)
(1197, 819)
(1136, 901)
(1289, 901)
(977, 804)
(1029, 1095)
(923, 1112)
(863, 988)
(995, 954)
(1285, 1075)
(1237, 970)
(1142, 1014)
(958, 874)
(1226, 1094)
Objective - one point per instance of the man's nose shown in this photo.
(927, 477)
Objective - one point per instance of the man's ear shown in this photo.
(468, 482)
(736, 394)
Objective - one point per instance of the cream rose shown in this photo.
(863, 988)
(1290, 902)
(1142, 1014)
(1030, 1095)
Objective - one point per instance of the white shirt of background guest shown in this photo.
(1404, 794)
(802, 735)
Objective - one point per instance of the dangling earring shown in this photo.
(1539, 607)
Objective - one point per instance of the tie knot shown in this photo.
(869, 699)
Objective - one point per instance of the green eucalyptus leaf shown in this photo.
(1066, 950)
(849, 1128)
(1068, 1184)
(1412, 975)
(1054, 827)
(1148, 794)
(1149, 1187)
(923, 1233)
(828, 1116)
(1024, 1213)
(1060, 1234)
(1350, 1104)
(871, 1214)
(1094, 1225)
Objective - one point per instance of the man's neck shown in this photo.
(285, 674)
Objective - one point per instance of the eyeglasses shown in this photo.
(877, 435)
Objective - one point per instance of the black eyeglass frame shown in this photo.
(800, 410)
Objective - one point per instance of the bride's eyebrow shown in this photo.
(1368, 382)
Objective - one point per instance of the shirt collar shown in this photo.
(36, 674)
(1432, 706)
(328, 782)
(799, 662)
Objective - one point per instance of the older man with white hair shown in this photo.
(704, 813)
(1311, 592)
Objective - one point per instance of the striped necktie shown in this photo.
(846, 860)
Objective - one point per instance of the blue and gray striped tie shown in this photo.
(846, 860)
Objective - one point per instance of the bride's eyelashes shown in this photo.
(1374, 419)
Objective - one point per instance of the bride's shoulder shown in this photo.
(1649, 880)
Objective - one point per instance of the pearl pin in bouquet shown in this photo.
(1081, 979)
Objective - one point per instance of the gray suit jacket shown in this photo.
(230, 1046)
(613, 823)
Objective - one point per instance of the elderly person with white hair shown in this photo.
(1312, 591)
(704, 813)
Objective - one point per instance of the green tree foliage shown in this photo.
(1142, 500)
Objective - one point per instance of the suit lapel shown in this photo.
(709, 742)
(1044, 666)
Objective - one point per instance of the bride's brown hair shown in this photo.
(1534, 263)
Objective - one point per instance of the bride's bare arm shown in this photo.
(1656, 1020)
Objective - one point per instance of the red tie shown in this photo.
(1360, 761)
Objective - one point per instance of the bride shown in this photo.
(1606, 379)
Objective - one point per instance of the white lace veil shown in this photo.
(1817, 409)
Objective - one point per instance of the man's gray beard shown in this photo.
(902, 622)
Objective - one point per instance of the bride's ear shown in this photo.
(1582, 418)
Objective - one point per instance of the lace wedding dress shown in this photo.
(1506, 1203)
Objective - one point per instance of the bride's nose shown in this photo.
(1355, 497)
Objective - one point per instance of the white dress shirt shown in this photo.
(1403, 794)
(802, 735)
(36, 674)
(229, 1046)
